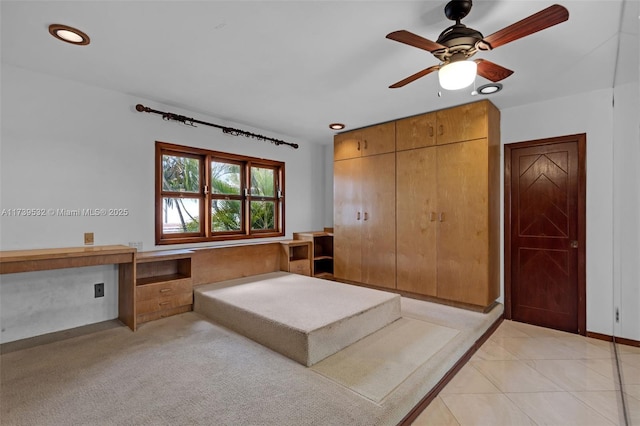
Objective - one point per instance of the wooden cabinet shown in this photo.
(445, 184)
(321, 244)
(347, 217)
(443, 225)
(364, 220)
(457, 124)
(417, 225)
(416, 132)
(295, 257)
(378, 139)
(163, 284)
(464, 122)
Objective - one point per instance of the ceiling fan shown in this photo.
(458, 43)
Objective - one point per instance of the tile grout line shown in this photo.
(622, 397)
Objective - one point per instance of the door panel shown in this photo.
(347, 221)
(416, 221)
(463, 223)
(378, 220)
(462, 123)
(378, 139)
(416, 132)
(544, 224)
(347, 145)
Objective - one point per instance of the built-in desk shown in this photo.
(16, 261)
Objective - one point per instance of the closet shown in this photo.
(364, 206)
(445, 227)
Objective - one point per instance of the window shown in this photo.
(210, 196)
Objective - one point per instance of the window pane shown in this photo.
(180, 174)
(180, 215)
(226, 215)
(225, 178)
(262, 182)
(262, 215)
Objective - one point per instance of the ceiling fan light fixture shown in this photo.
(457, 75)
(69, 34)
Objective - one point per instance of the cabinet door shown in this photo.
(347, 219)
(379, 218)
(462, 123)
(463, 248)
(416, 220)
(378, 139)
(347, 145)
(416, 132)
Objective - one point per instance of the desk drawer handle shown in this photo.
(164, 290)
(164, 303)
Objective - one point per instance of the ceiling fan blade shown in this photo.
(414, 40)
(492, 71)
(415, 76)
(546, 18)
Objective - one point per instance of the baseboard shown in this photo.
(461, 305)
(18, 345)
(433, 393)
(620, 340)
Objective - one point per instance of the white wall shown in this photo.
(66, 145)
(593, 113)
(626, 201)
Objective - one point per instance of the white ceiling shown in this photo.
(293, 67)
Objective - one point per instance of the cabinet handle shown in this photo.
(366, 216)
(164, 290)
(441, 130)
(430, 130)
(432, 217)
(441, 217)
(358, 145)
(365, 144)
(163, 303)
(358, 216)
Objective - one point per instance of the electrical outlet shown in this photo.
(98, 290)
(88, 238)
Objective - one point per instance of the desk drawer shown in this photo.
(301, 267)
(163, 303)
(152, 316)
(163, 289)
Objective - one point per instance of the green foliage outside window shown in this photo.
(211, 196)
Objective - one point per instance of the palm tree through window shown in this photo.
(207, 196)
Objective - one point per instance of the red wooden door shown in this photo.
(547, 233)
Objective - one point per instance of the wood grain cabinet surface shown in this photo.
(295, 257)
(321, 251)
(378, 139)
(435, 230)
(163, 284)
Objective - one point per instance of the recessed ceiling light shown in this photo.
(490, 88)
(69, 34)
(336, 126)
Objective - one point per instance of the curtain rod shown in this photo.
(228, 130)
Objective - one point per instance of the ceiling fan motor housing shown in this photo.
(458, 39)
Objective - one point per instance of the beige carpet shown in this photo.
(304, 318)
(377, 364)
(187, 370)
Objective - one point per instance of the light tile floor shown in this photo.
(528, 375)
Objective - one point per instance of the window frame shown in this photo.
(205, 196)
